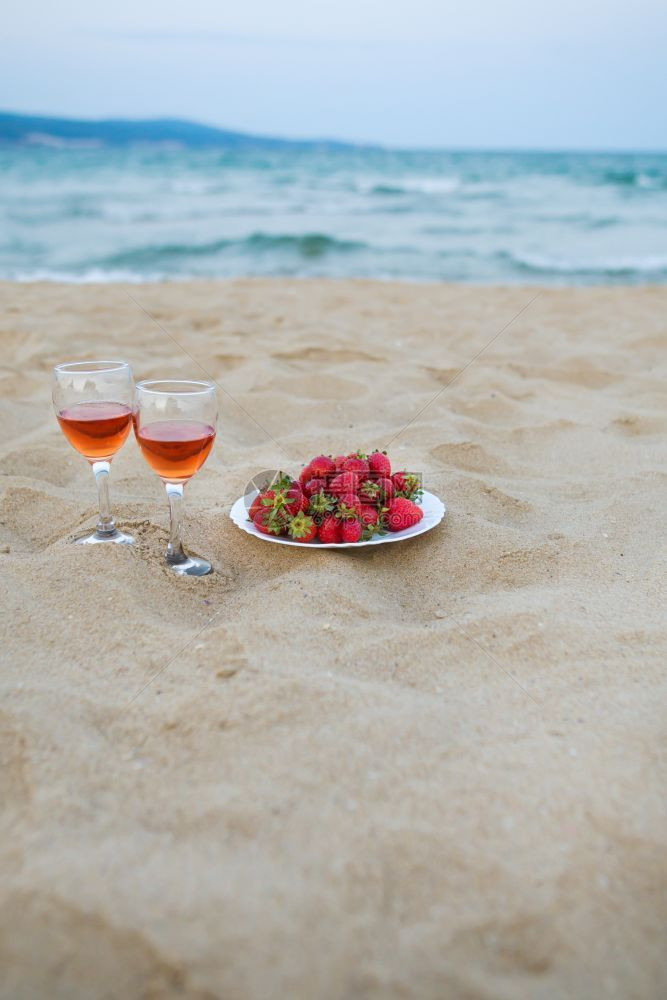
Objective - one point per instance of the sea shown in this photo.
(155, 214)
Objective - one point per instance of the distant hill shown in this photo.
(40, 130)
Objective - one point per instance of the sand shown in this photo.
(433, 769)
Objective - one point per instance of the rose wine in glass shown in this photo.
(96, 430)
(176, 449)
(93, 404)
(174, 424)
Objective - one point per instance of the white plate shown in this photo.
(434, 511)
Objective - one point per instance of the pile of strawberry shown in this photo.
(343, 499)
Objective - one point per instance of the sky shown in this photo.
(410, 73)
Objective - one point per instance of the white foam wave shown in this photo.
(409, 185)
(95, 275)
(649, 182)
(432, 185)
(645, 264)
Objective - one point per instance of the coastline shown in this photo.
(430, 769)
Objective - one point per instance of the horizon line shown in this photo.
(353, 143)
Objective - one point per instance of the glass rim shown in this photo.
(146, 385)
(97, 367)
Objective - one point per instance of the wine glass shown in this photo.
(174, 423)
(93, 403)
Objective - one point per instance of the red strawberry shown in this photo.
(406, 484)
(339, 461)
(258, 503)
(369, 515)
(270, 521)
(322, 466)
(349, 505)
(303, 500)
(302, 528)
(386, 488)
(369, 491)
(378, 462)
(314, 486)
(291, 500)
(346, 482)
(402, 514)
(321, 503)
(305, 474)
(350, 531)
(329, 530)
(355, 464)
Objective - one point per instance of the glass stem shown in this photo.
(175, 553)
(105, 522)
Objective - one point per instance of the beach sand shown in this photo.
(433, 769)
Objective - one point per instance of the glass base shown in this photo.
(100, 537)
(190, 566)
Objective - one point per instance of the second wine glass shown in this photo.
(174, 423)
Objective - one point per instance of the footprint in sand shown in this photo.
(42, 463)
(220, 652)
(634, 425)
(318, 386)
(227, 362)
(324, 356)
(575, 372)
(206, 323)
(470, 457)
(51, 946)
(528, 944)
(492, 504)
(443, 376)
(31, 519)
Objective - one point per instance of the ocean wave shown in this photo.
(635, 178)
(583, 219)
(413, 185)
(161, 253)
(134, 215)
(31, 215)
(387, 189)
(650, 264)
(306, 245)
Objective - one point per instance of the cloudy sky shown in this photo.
(478, 73)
